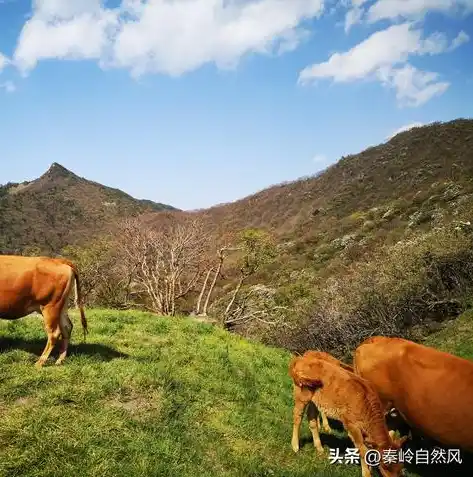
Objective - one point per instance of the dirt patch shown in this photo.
(139, 407)
(24, 401)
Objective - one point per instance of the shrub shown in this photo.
(426, 278)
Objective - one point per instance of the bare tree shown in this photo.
(225, 248)
(201, 294)
(168, 260)
(255, 304)
(257, 250)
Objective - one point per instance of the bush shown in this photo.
(425, 279)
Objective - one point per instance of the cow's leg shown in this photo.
(356, 436)
(299, 407)
(51, 316)
(65, 325)
(312, 416)
(325, 422)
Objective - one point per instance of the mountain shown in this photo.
(381, 240)
(61, 208)
(413, 163)
(382, 237)
(417, 180)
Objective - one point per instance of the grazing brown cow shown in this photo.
(331, 359)
(432, 390)
(41, 284)
(346, 397)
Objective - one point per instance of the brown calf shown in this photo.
(344, 396)
(432, 390)
(331, 359)
(41, 284)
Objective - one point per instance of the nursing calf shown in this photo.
(346, 397)
(331, 359)
(41, 284)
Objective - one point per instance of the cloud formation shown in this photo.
(174, 37)
(160, 36)
(384, 57)
(76, 29)
(3, 61)
(414, 9)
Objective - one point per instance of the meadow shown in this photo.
(148, 396)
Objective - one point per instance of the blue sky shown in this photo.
(199, 102)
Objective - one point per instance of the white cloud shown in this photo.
(8, 86)
(76, 29)
(162, 36)
(413, 87)
(383, 48)
(460, 39)
(354, 14)
(410, 9)
(405, 128)
(383, 56)
(3, 61)
(176, 37)
(352, 17)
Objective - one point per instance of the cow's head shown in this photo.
(390, 466)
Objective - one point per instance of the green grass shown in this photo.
(149, 396)
(456, 337)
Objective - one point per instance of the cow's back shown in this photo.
(27, 283)
(432, 390)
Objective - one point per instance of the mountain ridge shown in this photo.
(61, 208)
(309, 210)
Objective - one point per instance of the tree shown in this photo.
(257, 250)
(167, 261)
(102, 282)
(224, 248)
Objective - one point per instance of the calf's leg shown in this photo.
(299, 407)
(312, 416)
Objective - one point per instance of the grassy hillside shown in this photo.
(456, 338)
(153, 396)
(61, 208)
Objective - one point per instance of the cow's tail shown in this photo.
(78, 297)
(80, 305)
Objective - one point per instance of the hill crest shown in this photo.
(61, 208)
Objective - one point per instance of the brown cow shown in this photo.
(320, 384)
(331, 359)
(432, 390)
(41, 284)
